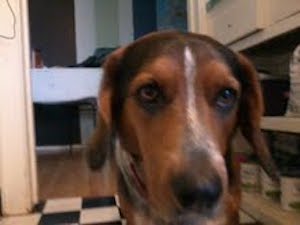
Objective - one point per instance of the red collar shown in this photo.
(139, 183)
(132, 173)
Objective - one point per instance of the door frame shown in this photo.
(18, 177)
(197, 16)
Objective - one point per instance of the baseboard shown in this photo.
(58, 148)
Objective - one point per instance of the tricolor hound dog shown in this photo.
(169, 105)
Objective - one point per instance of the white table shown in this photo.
(66, 86)
(59, 85)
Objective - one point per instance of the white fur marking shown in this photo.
(197, 131)
(190, 74)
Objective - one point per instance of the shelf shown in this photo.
(281, 27)
(285, 124)
(267, 212)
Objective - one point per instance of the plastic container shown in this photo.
(250, 177)
(290, 192)
(270, 190)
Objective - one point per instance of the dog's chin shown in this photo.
(196, 219)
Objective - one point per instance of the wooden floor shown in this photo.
(61, 174)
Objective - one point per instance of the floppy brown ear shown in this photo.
(101, 141)
(251, 111)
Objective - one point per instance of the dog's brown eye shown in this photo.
(226, 99)
(148, 93)
(151, 97)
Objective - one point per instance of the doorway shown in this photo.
(59, 33)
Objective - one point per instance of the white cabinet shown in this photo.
(280, 10)
(242, 24)
(233, 19)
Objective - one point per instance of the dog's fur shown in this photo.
(169, 105)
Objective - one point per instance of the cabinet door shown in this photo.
(230, 20)
(283, 9)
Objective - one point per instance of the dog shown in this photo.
(169, 106)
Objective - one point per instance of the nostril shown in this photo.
(207, 195)
(198, 195)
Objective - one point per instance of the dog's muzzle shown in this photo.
(198, 188)
(199, 191)
(199, 194)
(200, 185)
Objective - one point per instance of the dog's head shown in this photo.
(175, 100)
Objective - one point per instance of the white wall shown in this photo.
(18, 167)
(102, 23)
(6, 31)
(85, 28)
(107, 23)
(125, 22)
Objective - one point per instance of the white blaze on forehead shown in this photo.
(192, 115)
(196, 131)
(189, 63)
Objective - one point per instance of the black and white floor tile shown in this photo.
(72, 211)
(82, 211)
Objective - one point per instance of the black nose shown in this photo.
(197, 194)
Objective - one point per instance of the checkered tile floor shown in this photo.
(72, 211)
(82, 211)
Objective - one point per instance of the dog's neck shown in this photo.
(133, 189)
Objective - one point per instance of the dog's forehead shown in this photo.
(173, 45)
